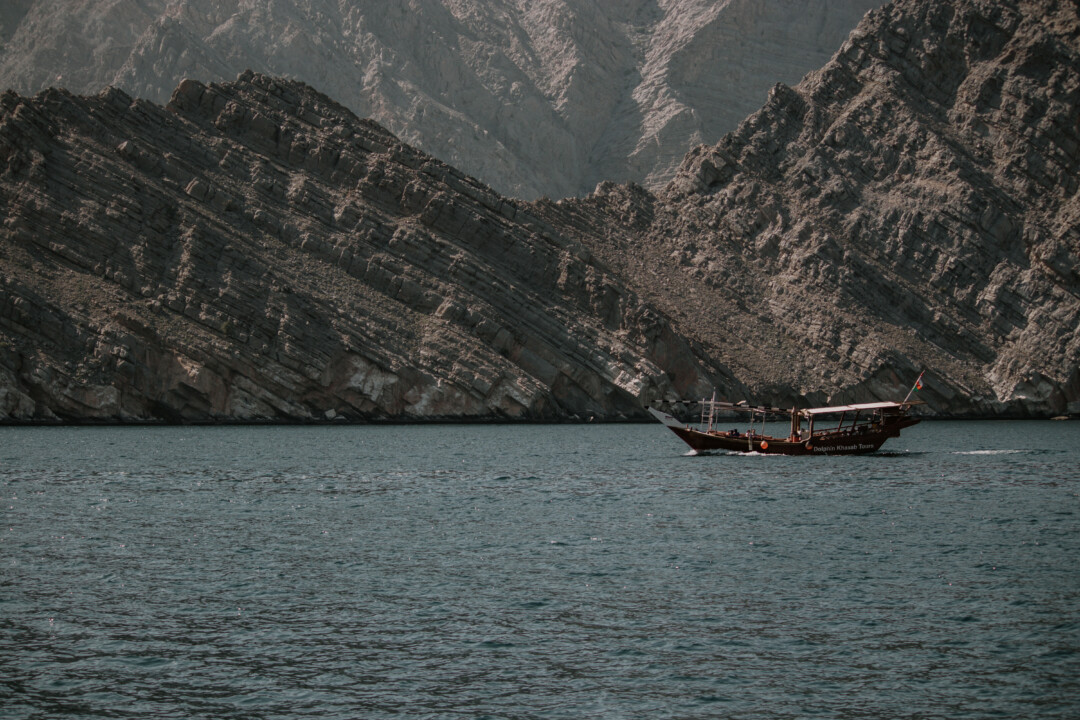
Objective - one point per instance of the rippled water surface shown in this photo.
(536, 572)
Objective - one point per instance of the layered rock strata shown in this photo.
(914, 204)
(255, 252)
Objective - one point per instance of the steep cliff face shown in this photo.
(534, 97)
(253, 251)
(911, 205)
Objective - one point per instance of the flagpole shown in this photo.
(917, 381)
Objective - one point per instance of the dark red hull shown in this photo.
(842, 442)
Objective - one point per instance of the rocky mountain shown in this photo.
(534, 97)
(254, 251)
(913, 204)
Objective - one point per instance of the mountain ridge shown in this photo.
(255, 252)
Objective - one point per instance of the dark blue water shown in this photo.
(536, 572)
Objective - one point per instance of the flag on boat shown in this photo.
(916, 386)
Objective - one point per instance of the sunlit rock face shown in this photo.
(534, 97)
(912, 205)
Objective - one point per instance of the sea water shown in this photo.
(583, 571)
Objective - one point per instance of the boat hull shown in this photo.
(839, 443)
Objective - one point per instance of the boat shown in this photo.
(860, 428)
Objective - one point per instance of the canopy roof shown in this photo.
(834, 409)
(851, 408)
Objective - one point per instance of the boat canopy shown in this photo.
(851, 408)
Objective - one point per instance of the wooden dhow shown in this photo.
(860, 428)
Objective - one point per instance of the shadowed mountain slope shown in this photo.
(254, 251)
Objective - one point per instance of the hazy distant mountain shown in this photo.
(534, 97)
